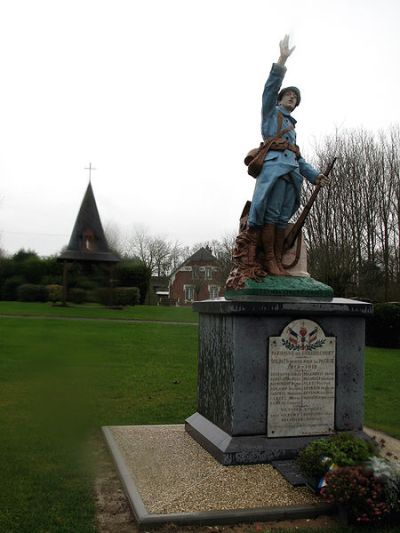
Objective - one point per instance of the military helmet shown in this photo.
(294, 89)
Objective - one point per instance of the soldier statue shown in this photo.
(279, 180)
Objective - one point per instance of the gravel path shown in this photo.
(174, 474)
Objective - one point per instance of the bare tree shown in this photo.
(353, 229)
(158, 253)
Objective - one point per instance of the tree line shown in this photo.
(353, 229)
(352, 232)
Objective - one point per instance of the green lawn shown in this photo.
(382, 391)
(139, 312)
(61, 380)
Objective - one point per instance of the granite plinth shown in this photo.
(231, 421)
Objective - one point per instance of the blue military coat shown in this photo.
(277, 163)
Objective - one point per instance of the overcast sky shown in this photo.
(163, 97)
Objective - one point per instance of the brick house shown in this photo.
(197, 278)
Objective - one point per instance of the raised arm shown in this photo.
(275, 79)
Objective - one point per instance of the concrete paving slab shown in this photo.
(169, 478)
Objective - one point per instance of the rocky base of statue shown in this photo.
(245, 260)
(248, 277)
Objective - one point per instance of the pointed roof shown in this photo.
(203, 254)
(88, 242)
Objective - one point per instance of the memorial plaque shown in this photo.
(301, 381)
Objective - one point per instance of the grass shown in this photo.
(139, 312)
(61, 380)
(382, 396)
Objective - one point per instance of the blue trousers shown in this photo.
(272, 205)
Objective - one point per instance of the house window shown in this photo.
(208, 273)
(213, 291)
(189, 293)
(195, 272)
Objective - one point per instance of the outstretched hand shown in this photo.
(285, 50)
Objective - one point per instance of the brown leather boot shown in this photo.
(279, 240)
(245, 264)
(251, 236)
(268, 240)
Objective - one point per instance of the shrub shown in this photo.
(55, 293)
(77, 296)
(29, 292)
(126, 296)
(342, 449)
(86, 284)
(6, 269)
(34, 269)
(104, 296)
(10, 286)
(133, 274)
(91, 296)
(383, 328)
(118, 295)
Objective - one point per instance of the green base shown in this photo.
(282, 286)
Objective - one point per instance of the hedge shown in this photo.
(118, 296)
(29, 292)
(76, 296)
(10, 287)
(383, 328)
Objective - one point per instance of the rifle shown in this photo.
(296, 229)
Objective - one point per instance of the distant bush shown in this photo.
(383, 328)
(104, 296)
(29, 292)
(77, 296)
(33, 269)
(10, 286)
(118, 296)
(133, 274)
(91, 296)
(126, 296)
(55, 293)
(86, 284)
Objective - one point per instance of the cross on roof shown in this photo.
(90, 168)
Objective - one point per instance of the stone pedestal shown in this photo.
(276, 373)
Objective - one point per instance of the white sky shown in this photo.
(164, 97)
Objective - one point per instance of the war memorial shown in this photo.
(280, 359)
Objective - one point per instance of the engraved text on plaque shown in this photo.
(301, 381)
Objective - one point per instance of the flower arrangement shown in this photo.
(347, 471)
(359, 491)
(370, 493)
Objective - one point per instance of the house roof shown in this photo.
(88, 241)
(203, 254)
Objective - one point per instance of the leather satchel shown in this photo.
(254, 160)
